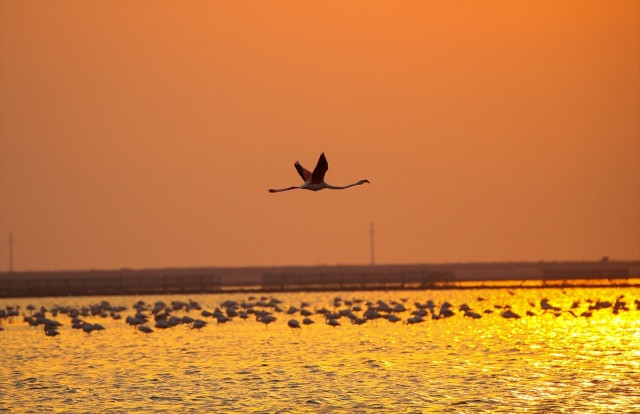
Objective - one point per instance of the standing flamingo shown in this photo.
(294, 324)
(315, 181)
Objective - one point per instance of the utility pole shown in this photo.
(10, 252)
(373, 262)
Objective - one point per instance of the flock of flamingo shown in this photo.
(149, 318)
(357, 312)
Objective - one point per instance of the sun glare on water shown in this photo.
(544, 360)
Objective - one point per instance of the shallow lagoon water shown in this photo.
(542, 363)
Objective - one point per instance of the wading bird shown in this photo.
(314, 181)
(294, 324)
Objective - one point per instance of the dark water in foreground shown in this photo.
(542, 363)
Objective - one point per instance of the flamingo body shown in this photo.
(294, 324)
(314, 181)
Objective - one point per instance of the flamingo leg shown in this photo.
(282, 189)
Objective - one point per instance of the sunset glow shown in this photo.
(146, 134)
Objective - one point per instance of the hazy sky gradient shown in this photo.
(146, 134)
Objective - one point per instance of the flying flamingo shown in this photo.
(315, 181)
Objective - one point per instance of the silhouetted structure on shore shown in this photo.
(301, 278)
(362, 281)
(126, 282)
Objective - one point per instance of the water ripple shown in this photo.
(458, 364)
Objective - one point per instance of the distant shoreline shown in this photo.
(300, 278)
(252, 274)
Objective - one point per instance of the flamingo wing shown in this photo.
(320, 170)
(304, 173)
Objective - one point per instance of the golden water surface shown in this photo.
(541, 363)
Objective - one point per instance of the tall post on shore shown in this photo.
(10, 252)
(373, 262)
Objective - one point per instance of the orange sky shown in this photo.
(146, 134)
